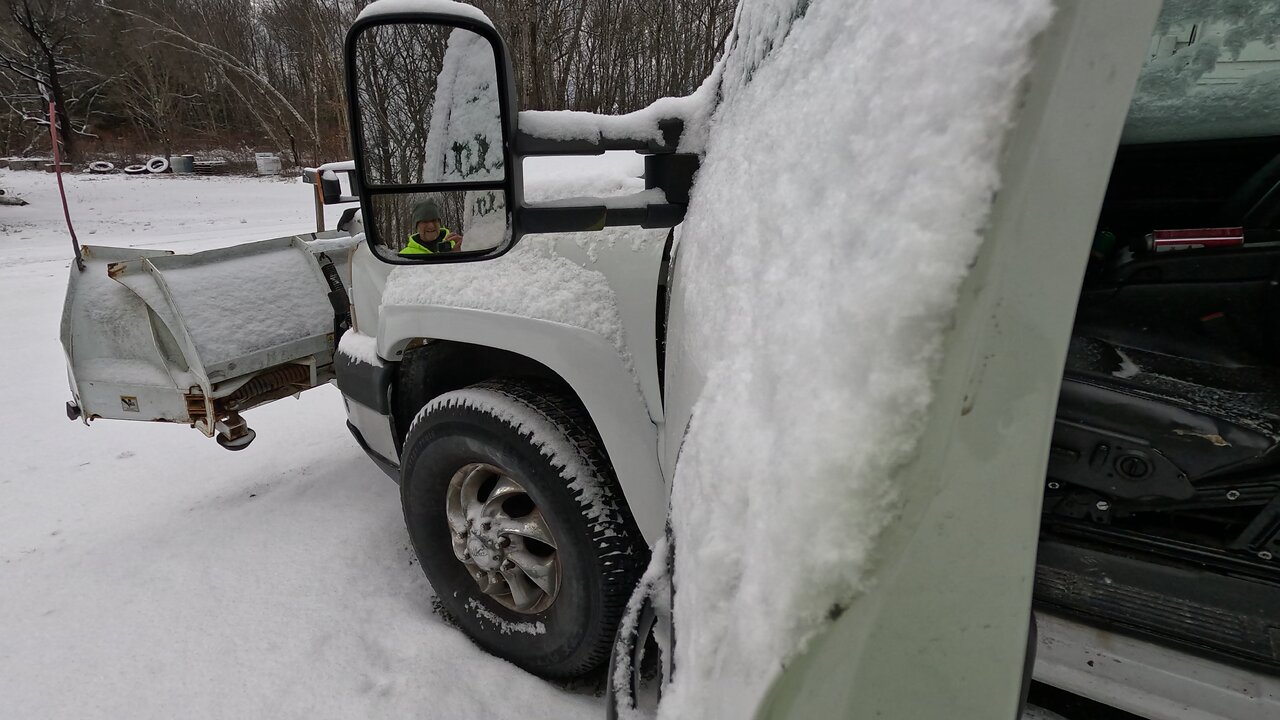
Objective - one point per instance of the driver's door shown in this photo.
(926, 562)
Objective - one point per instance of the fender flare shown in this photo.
(588, 362)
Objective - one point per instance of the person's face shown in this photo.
(428, 228)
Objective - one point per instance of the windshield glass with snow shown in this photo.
(1213, 72)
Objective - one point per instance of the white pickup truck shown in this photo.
(1102, 379)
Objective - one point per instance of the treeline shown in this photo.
(169, 76)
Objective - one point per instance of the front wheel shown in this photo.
(519, 525)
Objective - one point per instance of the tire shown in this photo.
(102, 166)
(642, 663)
(157, 165)
(461, 448)
(135, 170)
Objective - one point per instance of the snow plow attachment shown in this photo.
(200, 338)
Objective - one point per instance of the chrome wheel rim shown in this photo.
(500, 535)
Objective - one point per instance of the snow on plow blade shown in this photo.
(197, 338)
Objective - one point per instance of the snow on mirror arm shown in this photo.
(430, 146)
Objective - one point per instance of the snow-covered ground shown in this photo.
(145, 572)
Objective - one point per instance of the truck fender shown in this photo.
(588, 362)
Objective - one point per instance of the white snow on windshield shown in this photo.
(843, 195)
(1213, 72)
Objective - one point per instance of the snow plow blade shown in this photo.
(197, 339)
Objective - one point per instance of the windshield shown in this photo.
(1213, 71)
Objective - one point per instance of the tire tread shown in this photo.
(619, 553)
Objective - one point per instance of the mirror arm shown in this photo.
(330, 187)
(673, 174)
(588, 218)
(530, 145)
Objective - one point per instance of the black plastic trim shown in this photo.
(673, 174)
(1074, 707)
(1226, 618)
(1161, 549)
(364, 383)
(391, 469)
(660, 316)
(587, 218)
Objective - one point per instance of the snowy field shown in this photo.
(148, 573)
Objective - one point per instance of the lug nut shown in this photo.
(1103, 505)
(1233, 494)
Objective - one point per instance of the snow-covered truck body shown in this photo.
(560, 407)
(582, 314)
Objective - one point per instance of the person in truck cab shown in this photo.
(429, 236)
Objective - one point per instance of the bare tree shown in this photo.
(38, 49)
(151, 90)
(168, 31)
(239, 73)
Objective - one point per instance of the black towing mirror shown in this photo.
(431, 102)
(437, 151)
